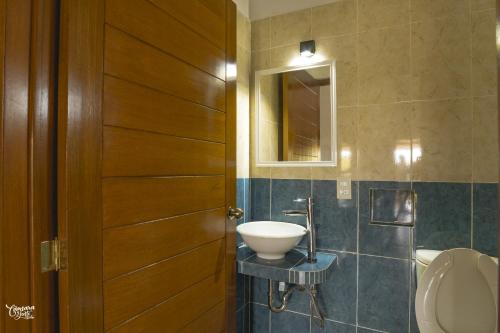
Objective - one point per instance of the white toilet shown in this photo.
(456, 292)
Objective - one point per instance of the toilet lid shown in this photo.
(458, 294)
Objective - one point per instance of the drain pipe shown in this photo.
(284, 298)
(316, 312)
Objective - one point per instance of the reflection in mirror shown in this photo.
(296, 116)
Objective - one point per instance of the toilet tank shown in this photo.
(424, 258)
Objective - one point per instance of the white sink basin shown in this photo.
(271, 240)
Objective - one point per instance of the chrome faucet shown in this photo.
(311, 231)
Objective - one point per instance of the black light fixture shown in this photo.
(307, 48)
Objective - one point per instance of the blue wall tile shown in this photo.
(287, 322)
(260, 190)
(299, 301)
(381, 240)
(283, 194)
(259, 318)
(336, 220)
(240, 192)
(247, 208)
(485, 216)
(337, 295)
(333, 327)
(242, 320)
(366, 330)
(258, 290)
(443, 215)
(241, 291)
(413, 282)
(383, 293)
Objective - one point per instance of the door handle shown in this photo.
(235, 213)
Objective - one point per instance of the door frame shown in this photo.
(79, 144)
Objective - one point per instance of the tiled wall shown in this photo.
(416, 86)
(374, 283)
(416, 110)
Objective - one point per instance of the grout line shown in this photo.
(383, 257)
(471, 106)
(357, 166)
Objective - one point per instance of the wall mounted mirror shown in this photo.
(296, 109)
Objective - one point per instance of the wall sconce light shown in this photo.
(307, 48)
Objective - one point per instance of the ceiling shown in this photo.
(259, 9)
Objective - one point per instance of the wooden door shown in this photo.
(301, 116)
(147, 165)
(28, 65)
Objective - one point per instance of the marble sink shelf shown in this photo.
(294, 268)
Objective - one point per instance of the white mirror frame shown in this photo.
(333, 101)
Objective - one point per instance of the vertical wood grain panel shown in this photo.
(2, 115)
(231, 168)
(15, 250)
(79, 164)
(42, 175)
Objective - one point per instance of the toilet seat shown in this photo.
(458, 294)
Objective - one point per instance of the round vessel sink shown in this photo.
(271, 240)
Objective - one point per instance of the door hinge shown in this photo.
(53, 255)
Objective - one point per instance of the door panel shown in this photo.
(211, 321)
(133, 106)
(206, 17)
(162, 165)
(129, 295)
(138, 153)
(143, 20)
(131, 59)
(133, 200)
(15, 242)
(124, 248)
(179, 310)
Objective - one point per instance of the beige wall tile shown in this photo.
(291, 172)
(382, 13)
(243, 131)
(243, 35)
(284, 55)
(384, 65)
(291, 28)
(426, 9)
(485, 138)
(243, 66)
(384, 142)
(334, 19)
(482, 4)
(442, 136)
(484, 62)
(261, 34)
(343, 50)
(260, 60)
(347, 148)
(441, 58)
